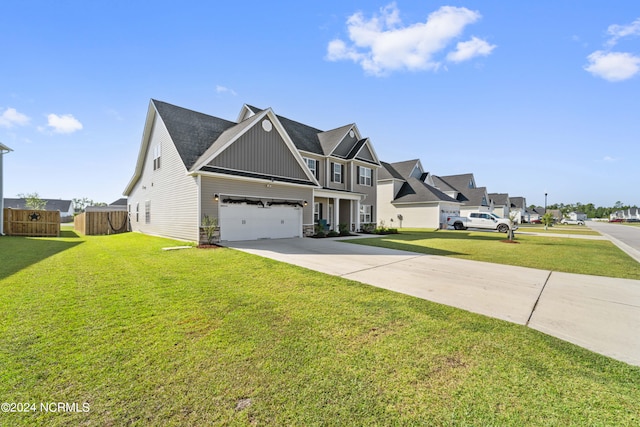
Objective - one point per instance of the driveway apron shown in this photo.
(598, 313)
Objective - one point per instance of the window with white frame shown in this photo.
(312, 164)
(365, 176)
(316, 212)
(156, 157)
(137, 212)
(337, 172)
(147, 212)
(365, 213)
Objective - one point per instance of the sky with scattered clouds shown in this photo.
(532, 97)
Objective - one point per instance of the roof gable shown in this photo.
(259, 145)
(261, 152)
(416, 191)
(192, 133)
(338, 142)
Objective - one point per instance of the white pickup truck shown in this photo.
(485, 220)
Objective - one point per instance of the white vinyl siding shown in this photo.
(172, 193)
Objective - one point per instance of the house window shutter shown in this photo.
(317, 169)
(342, 174)
(358, 174)
(333, 172)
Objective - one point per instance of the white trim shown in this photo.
(258, 197)
(331, 194)
(251, 179)
(144, 146)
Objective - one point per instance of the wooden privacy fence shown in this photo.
(102, 222)
(32, 223)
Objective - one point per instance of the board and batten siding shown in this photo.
(210, 186)
(263, 152)
(172, 195)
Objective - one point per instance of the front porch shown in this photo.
(335, 209)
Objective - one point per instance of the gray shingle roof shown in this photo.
(191, 132)
(52, 204)
(416, 191)
(388, 172)
(413, 190)
(499, 199)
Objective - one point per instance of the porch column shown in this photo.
(357, 215)
(336, 214)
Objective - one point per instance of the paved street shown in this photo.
(598, 313)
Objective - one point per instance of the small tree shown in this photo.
(209, 225)
(547, 219)
(512, 221)
(33, 201)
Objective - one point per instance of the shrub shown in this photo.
(333, 233)
(344, 229)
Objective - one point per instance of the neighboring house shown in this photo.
(501, 204)
(577, 216)
(120, 202)
(518, 211)
(463, 189)
(262, 176)
(408, 198)
(536, 213)
(64, 206)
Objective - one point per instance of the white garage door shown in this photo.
(250, 222)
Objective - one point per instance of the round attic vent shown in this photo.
(266, 125)
(351, 133)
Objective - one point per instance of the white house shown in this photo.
(408, 198)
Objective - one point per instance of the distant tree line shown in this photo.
(590, 209)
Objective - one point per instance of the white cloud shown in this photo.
(12, 117)
(382, 44)
(470, 49)
(609, 159)
(63, 124)
(223, 89)
(619, 31)
(613, 66)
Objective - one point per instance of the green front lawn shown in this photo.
(220, 337)
(569, 255)
(557, 229)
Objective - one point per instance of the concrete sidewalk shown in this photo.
(598, 313)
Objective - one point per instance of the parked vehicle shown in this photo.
(616, 220)
(566, 221)
(483, 220)
(536, 221)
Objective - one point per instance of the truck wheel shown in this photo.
(503, 228)
(458, 226)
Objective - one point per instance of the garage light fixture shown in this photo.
(215, 197)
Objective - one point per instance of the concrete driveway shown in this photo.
(598, 313)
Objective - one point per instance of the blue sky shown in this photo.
(530, 96)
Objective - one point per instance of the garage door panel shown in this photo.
(249, 222)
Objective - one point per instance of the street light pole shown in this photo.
(545, 202)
